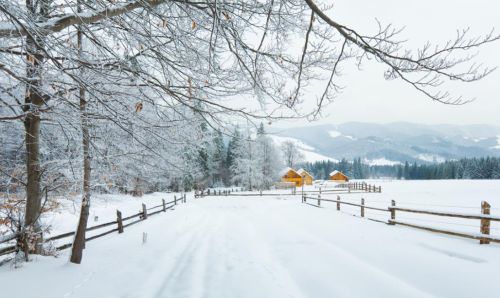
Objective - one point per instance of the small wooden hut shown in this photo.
(308, 178)
(290, 175)
(338, 176)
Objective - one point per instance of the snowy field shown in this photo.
(275, 246)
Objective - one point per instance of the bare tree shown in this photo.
(291, 154)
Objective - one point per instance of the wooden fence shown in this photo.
(484, 217)
(120, 224)
(360, 186)
(341, 188)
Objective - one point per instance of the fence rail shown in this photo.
(142, 215)
(485, 218)
(340, 188)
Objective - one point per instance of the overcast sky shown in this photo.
(370, 98)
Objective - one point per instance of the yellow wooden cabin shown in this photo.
(290, 175)
(338, 176)
(308, 178)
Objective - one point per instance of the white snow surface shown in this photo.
(311, 156)
(381, 162)
(430, 157)
(301, 145)
(308, 151)
(498, 143)
(277, 246)
(334, 133)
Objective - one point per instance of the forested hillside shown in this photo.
(466, 168)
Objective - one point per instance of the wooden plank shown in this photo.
(132, 223)
(7, 250)
(60, 236)
(339, 202)
(156, 212)
(119, 221)
(101, 226)
(102, 234)
(453, 233)
(438, 213)
(154, 207)
(6, 238)
(485, 223)
(64, 246)
(144, 211)
(132, 216)
(393, 211)
(362, 207)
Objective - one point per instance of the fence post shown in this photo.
(175, 200)
(485, 223)
(393, 212)
(380, 189)
(144, 211)
(319, 198)
(362, 207)
(185, 198)
(119, 221)
(349, 187)
(338, 203)
(261, 192)
(164, 207)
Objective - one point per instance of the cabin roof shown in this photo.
(337, 172)
(302, 171)
(286, 170)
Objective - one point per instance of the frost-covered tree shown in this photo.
(255, 161)
(244, 166)
(217, 167)
(291, 153)
(268, 159)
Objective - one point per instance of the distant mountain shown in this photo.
(394, 142)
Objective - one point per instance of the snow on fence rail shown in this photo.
(360, 186)
(142, 215)
(340, 188)
(485, 218)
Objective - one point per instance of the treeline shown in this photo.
(197, 156)
(246, 159)
(465, 168)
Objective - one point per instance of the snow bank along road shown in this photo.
(263, 247)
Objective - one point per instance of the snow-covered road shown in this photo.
(266, 247)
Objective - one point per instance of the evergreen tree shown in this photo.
(399, 174)
(217, 159)
(267, 159)
(406, 171)
(231, 147)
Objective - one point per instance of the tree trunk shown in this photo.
(79, 241)
(33, 101)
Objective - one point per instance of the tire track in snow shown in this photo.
(351, 271)
(173, 264)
